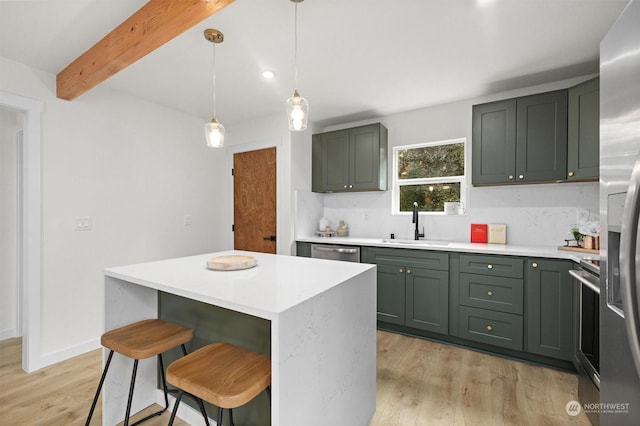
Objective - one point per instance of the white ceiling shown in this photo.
(357, 58)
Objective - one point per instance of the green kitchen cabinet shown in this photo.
(391, 293)
(520, 140)
(352, 159)
(549, 308)
(427, 299)
(491, 298)
(583, 151)
(413, 287)
(494, 143)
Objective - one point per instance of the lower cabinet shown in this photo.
(427, 300)
(491, 293)
(549, 309)
(413, 287)
(492, 327)
(518, 306)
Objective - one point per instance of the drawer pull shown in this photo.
(408, 271)
(489, 328)
(489, 266)
(534, 264)
(489, 293)
(401, 270)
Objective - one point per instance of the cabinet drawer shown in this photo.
(496, 266)
(494, 328)
(407, 258)
(494, 293)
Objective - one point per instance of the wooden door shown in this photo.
(254, 200)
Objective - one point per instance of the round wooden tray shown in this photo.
(232, 262)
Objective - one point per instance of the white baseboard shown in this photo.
(8, 333)
(54, 357)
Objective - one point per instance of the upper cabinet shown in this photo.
(584, 131)
(350, 160)
(520, 140)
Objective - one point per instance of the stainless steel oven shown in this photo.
(587, 336)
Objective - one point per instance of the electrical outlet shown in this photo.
(83, 223)
(186, 220)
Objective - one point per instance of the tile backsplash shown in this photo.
(534, 214)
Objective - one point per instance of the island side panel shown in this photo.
(326, 357)
(125, 303)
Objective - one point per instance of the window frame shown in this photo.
(396, 182)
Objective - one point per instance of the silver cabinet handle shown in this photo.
(534, 264)
(629, 265)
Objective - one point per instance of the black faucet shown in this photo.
(417, 233)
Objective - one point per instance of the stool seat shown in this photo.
(146, 338)
(223, 374)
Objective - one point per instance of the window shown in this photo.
(430, 174)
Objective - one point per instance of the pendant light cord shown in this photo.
(295, 45)
(214, 80)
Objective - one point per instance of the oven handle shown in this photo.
(584, 278)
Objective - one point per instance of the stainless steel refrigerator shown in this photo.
(619, 211)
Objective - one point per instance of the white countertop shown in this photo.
(276, 284)
(479, 248)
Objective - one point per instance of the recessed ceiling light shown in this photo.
(268, 74)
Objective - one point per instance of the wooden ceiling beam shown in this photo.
(150, 27)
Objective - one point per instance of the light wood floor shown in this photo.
(419, 383)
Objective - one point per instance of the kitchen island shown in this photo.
(322, 323)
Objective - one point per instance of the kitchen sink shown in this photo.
(415, 242)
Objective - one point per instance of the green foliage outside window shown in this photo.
(430, 197)
(426, 166)
(431, 161)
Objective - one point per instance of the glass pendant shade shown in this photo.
(297, 112)
(215, 133)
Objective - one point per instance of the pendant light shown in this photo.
(214, 130)
(297, 106)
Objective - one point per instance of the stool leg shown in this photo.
(219, 422)
(95, 398)
(231, 417)
(164, 383)
(202, 410)
(175, 407)
(133, 383)
(164, 388)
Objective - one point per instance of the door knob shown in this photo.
(270, 238)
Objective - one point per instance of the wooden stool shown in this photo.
(223, 374)
(138, 341)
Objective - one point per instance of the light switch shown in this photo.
(83, 223)
(187, 220)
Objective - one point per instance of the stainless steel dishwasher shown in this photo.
(335, 252)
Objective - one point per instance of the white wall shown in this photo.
(136, 169)
(8, 221)
(534, 214)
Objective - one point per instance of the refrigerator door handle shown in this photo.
(630, 264)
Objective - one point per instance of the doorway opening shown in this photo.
(29, 205)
